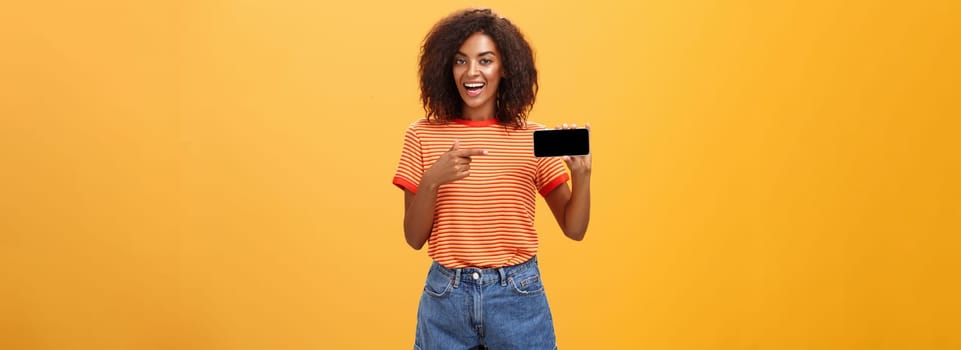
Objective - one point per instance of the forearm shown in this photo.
(577, 214)
(419, 216)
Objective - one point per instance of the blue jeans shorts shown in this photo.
(472, 308)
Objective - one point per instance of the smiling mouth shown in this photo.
(474, 89)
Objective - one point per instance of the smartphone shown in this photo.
(561, 142)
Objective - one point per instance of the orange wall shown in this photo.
(216, 174)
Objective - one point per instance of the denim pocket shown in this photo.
(438, 285)
(528, 283)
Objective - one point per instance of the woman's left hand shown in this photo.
(579, 165)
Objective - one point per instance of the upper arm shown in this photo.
(408, 199)
(557, 201)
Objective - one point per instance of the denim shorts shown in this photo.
(472, 308)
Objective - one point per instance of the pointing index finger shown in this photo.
(471, 152)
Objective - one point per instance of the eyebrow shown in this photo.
(478, 55)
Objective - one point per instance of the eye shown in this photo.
(459, 61)
(486, 61)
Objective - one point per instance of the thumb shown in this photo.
(456, 146)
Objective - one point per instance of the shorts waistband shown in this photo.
(481, 276)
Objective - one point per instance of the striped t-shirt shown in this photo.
(486, 219)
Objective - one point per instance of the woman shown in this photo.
(470, 182)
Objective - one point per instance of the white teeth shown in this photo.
(474, 85)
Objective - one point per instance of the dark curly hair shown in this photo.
(438, 91)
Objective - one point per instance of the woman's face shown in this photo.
(477, 72)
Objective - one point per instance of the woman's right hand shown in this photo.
(453, 165)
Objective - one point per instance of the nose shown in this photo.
(473, 70)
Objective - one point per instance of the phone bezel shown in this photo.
(575, 130)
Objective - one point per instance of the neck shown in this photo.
(478, 113)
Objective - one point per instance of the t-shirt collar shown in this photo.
(468, 122)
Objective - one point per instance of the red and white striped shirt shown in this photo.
(486, 219)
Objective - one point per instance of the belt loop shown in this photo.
(503, 276)
(456, 277)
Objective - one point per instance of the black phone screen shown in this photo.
(561, 142)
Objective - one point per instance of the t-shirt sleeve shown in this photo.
(411, 165)
(551, 172)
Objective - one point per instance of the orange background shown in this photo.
(216, 175)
